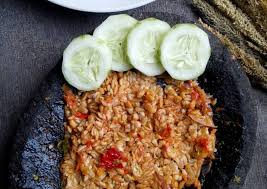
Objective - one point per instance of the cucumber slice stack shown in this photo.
(114, 31)
(150, 46)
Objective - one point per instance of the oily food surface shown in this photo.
(133, 133)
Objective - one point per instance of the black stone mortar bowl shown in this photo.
(35, 158)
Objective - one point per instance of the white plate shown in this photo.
(101, 5)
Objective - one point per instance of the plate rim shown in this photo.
(104, 9)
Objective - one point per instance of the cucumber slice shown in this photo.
(86, 62)
(114, 31)
(143, 44)
(185, 51)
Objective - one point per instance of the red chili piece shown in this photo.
(165, 133)
(89, 143)
(81, 115)
(203, 143)
(109, 159)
